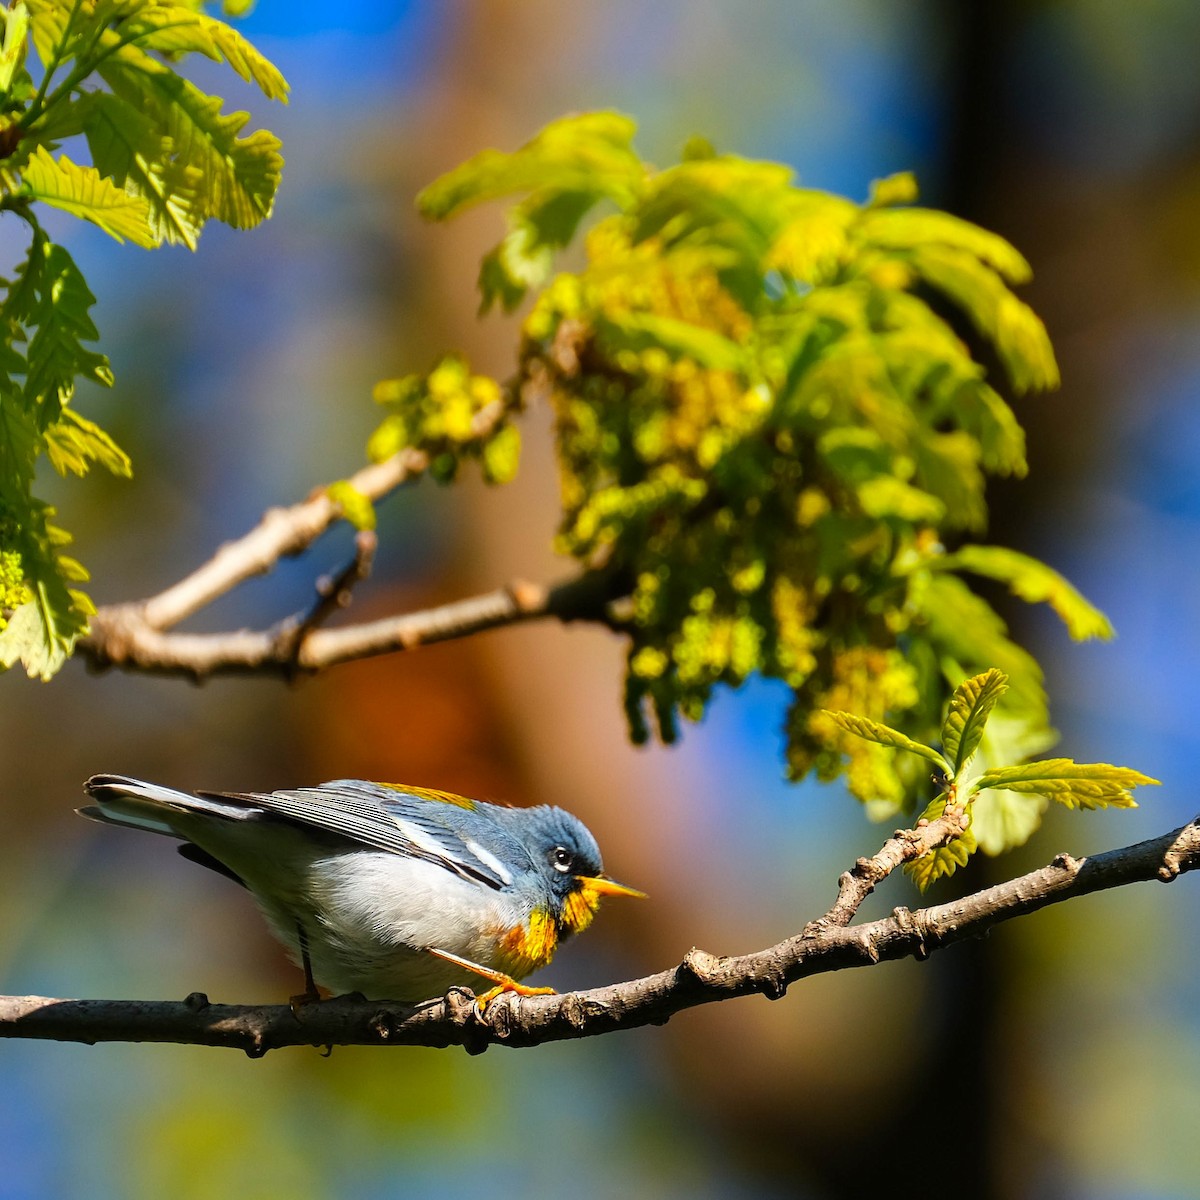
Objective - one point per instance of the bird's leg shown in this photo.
(310, 994)
(504, 983)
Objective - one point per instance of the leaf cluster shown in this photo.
(773, 417)
(165, 159)
(452, 415)
(963, 738)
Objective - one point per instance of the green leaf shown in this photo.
(19, 444)
(908, 227)
(52, 299)
(1076, 785)
(40, 637)
(204, 166)
(948, 466)
(49, 20)
(544, 223)
(900, 188)
(970, 707)
(94, 30)
(127, 146)
(730, 202)
(886, 496)
(588, 154)
(884, 735)
(15, 44)
(73, 443)
(984, 413)
(968, 634)
(1017, 332)
(1003, 820)
(29, 640)
(573, 164)
(41, 633)
(84, 192)
(177, 29)
(1033, 581)
(64, 120)
(811, 231)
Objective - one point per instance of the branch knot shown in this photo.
(705, 968)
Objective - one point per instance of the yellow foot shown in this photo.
(504, 983)
(481, 1002)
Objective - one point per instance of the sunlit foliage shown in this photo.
(774, 429)
(963, 784)
(165, 160)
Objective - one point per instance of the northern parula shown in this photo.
(394, 892)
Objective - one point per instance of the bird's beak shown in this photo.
(600, 885)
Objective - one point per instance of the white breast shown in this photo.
(372, 915)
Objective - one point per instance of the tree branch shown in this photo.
(121, 636)
(828, 944)
(282, 533)
(137, 636)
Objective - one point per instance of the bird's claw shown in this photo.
(520, 989)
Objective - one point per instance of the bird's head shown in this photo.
(566, 856)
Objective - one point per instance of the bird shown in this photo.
(386, 891)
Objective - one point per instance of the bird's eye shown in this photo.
(562, 859)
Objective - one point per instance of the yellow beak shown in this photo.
(598, 885)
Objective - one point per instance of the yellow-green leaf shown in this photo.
(128, 146)
(28, 639)
(15, 43)
(970, 707)
(1014, 328)
(946, 859)
(41, 633)
(1003, 820)
(1076, 785)
(73, 443)
(873, 731)
(588, 152)
(887, 496)
(203, 164)
(640, 331)
(356, 508)
(1035, 582)
(175, 29)
(84, 192)
(900, 188)
(906, 227)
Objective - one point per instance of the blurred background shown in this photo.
(1057, 1059)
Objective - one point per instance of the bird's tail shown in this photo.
(121, 800)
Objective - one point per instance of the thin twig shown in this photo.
(904, 846)
(333, 594)
(138, 636)
(282, 533)
(701, 978)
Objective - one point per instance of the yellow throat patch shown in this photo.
(523, 951)
(579, 909)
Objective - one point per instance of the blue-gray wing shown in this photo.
(401, 821)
